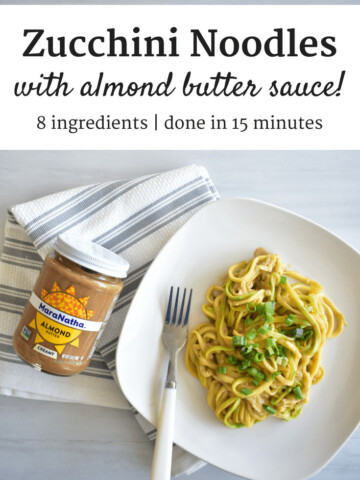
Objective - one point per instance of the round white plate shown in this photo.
(217, 236)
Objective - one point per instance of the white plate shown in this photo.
(216, 237)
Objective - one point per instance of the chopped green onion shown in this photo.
(257, 374)
(275, 374)
(221, 370)
(283, 279)
(251, 355)
(269, 308)
(249, 321)
(239, 340)
(246, 391)
(259, 357)
(253, 371)
(260, 308)
(252, 334)
(294, 332)
(282, 361)
(246, 350)
(269, 409)
(232, 360)
(307, 334)
(269, 319)
(256, 383)
(263, 330)
(290, 319)
(251, 307)
(298, 393)
(244, 365)
(270, 342)
(270, 351)
(282, 350)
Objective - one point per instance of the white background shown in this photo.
(18, 115)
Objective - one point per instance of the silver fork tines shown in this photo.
(174, 338)
(168, 312)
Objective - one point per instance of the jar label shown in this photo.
(60, 319)
(60, 316)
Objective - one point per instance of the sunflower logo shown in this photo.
(51, 331)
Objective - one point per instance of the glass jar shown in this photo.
(69, 306)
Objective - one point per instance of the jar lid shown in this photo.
(91, 255)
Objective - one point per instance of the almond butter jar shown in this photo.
(69, 306)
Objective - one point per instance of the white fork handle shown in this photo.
(161, 465)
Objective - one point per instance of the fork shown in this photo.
(173, 336)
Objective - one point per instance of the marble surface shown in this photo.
(55, 440)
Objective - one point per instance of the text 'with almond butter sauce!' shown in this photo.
(69, 306)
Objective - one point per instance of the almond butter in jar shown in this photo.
(69, 306)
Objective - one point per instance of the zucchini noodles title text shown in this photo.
(281, 42)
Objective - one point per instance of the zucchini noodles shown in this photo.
(260, 351)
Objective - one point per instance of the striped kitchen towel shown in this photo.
(133, 217)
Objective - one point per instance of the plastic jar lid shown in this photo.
(91, 255)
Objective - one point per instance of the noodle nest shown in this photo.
(259, 353)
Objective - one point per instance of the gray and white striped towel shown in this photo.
(133, 217)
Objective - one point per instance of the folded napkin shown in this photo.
(132, 217)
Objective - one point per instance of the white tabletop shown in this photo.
(41, 440)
